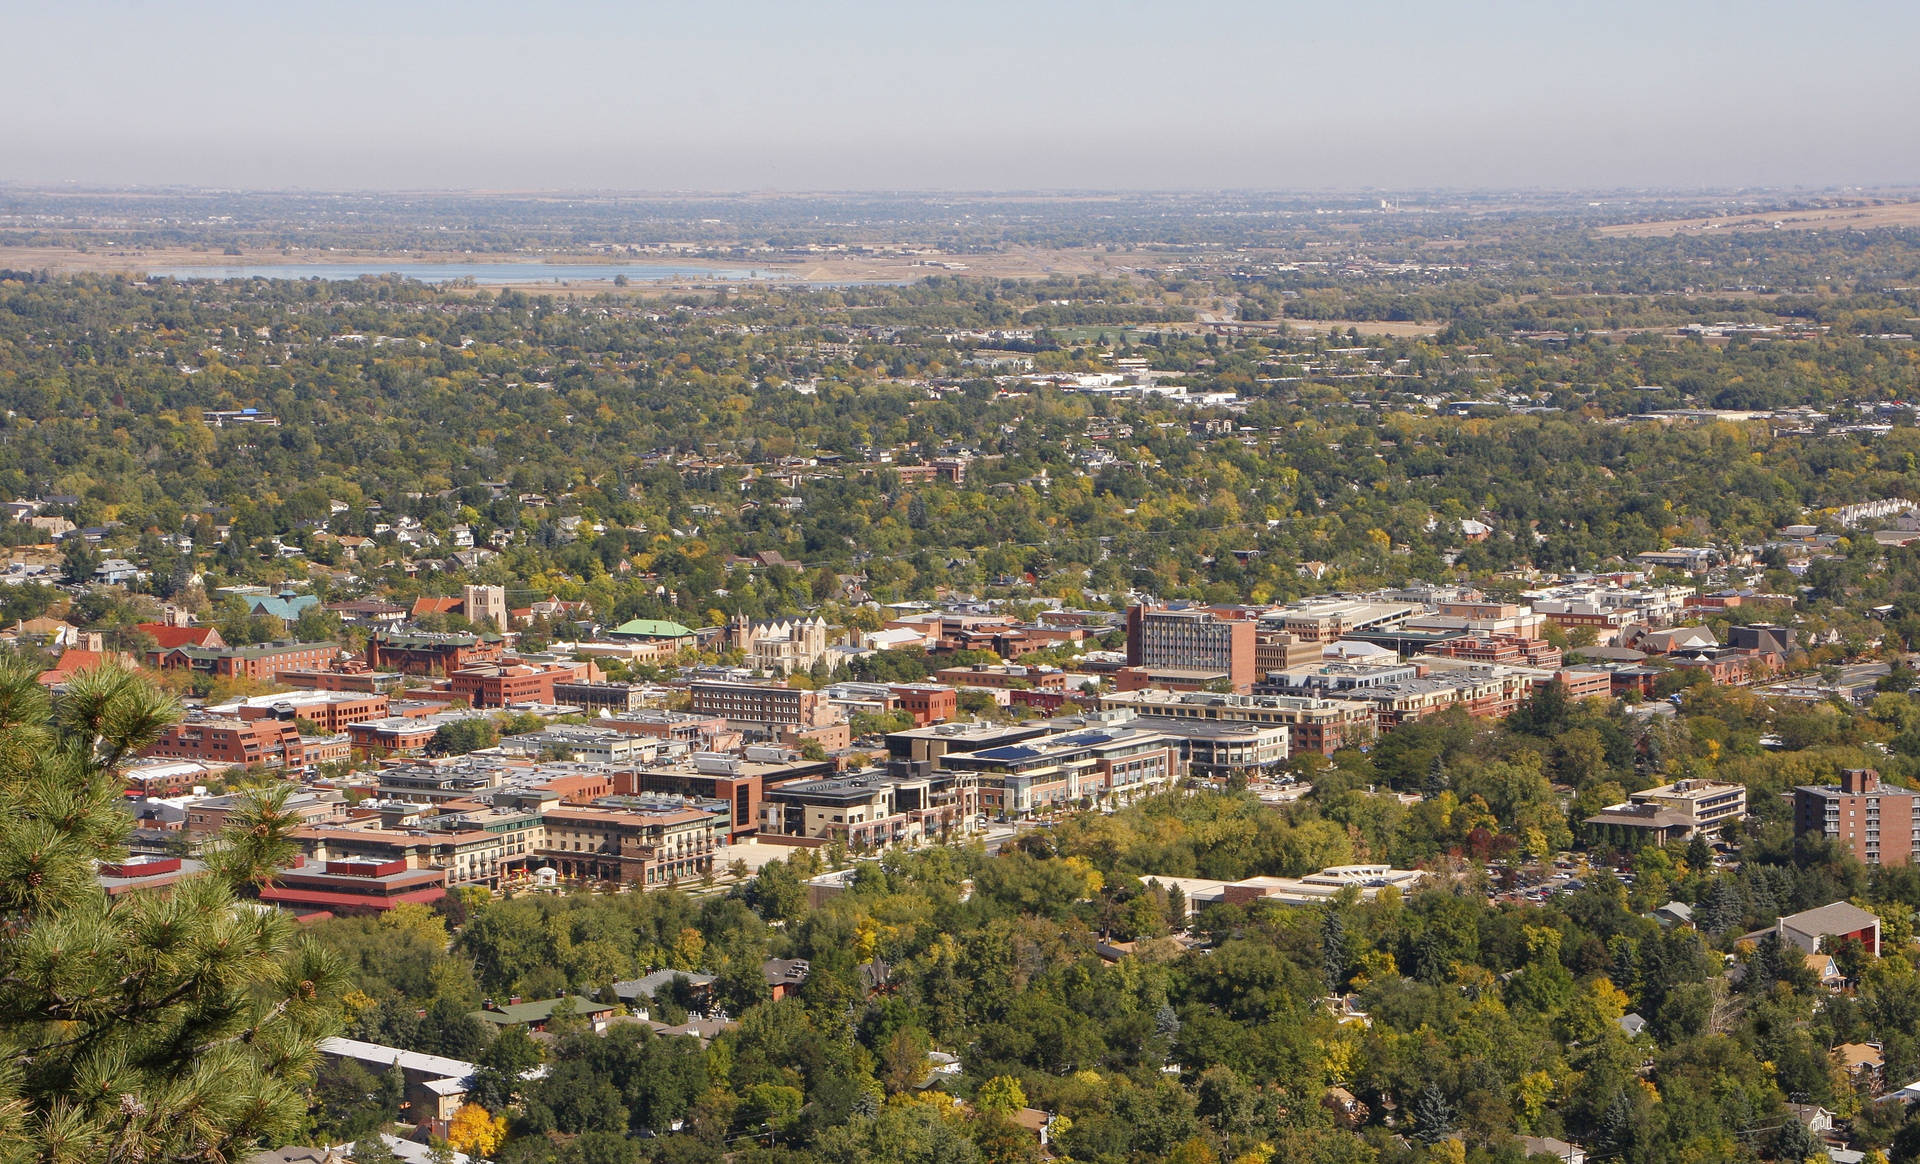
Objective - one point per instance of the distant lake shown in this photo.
(497, 273)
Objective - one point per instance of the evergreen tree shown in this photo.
(139, 1027)
(1432, 1115)
(78, 559)
(1767, 966)
(1333, 950)
(1437, 778)
(1797, 1142)
(1699, 854)
(1617, 1128)
(1721, 909)
(1176, 909)
(1166, 1023)
(1762, 902)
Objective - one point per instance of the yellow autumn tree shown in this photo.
(476, 1131)
(411, 917)
(689, 950)
(1090, 877)
(1002, 1094)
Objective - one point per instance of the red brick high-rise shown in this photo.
(1192, 640)
(1876, 822)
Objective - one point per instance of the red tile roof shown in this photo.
(73, 662)
(295, 895)
(170, 637)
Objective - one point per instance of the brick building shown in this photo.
(166, 638)
(330, 711)
(1003, 677)
(394, 735)
(262, 663)
(1874, 821)
(500, 685)
(240, 743)
(637, 848)
(1106, 764)
(1192, 640)
(763, 705)
(1510, 650)
(353, 887)
(208, 815)
(926, 704)
(419, 653)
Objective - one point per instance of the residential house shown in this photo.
(1864, 1063)
(1834, 922)
(1556, 1148)
(538, 1014)
(1876, 821)
(435, 1085)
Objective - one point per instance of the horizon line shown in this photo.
(1910, 187)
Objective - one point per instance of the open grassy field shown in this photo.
(1013, 263)
(1834, 218)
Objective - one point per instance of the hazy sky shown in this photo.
(864, 94)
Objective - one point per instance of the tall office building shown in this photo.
(1192, 640)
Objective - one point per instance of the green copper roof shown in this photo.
(652, 628)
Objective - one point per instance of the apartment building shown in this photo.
(209, 814)
(636, 848)
(465, 855)
(739, 781)
(1604, 605)
(1479, 617)
(765, 706)
(393, 736)
(1114, 765)
(926, 703)
(240, 743)
(1504, 649)
(701, 733)
(868, 810)
(1219, 750)
(341, 676)
(584, 743)
(1326, 620)
(1278, 650)
(1875, 821)
(331, 711)
(1483, 692)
